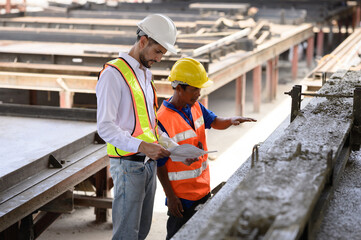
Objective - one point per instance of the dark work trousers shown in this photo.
(175, 223)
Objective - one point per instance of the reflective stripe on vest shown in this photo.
(184, 136)
(143, 128)
(174, 176)
(199, 122)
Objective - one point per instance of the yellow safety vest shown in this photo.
(143, 129)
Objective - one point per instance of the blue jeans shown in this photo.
(134, 190)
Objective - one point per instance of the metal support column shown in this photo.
(41, 223)
(240, 95)
(102, 190)
(309, 51)
(295, 62)
(269, 80)
(356, 17)
(330, 37)
(33, 100)
(20, 230)
(8, 6)
(275, 77)
(257, 81)
(320, 37)
(66, 99)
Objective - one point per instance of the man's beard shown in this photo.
(144, 61)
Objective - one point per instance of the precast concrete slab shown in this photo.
(43, 158)
(24, 140)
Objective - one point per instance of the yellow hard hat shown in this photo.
(191, 72)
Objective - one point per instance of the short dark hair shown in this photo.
(140, 33)
(184, 86)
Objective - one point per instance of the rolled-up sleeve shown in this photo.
(109, 98)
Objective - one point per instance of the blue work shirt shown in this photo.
(208, 117)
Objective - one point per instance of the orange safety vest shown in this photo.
(188, 182)
(143, 129)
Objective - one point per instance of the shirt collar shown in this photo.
(132, 61)
(167, 104)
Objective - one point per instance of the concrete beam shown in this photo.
(274, 199)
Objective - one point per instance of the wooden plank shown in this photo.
(262, 38)
(221, 42)
(256, 29)
(43, 221)
(157, 74)
(340, 58)
(81, 200)
(242, 63)
(75, 84)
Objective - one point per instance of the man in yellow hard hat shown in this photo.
(184, 119)
(126, 120)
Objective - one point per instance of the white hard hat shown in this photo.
(160, 28)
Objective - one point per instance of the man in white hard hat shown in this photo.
(126, 120)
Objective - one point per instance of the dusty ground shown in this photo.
(80, 224)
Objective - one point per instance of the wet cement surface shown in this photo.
(342, 219)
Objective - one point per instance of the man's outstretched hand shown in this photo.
(238, 120)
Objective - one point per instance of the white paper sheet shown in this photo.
(182, 152)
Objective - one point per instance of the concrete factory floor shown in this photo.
(234, 146)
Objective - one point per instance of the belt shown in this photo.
(136, 158)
